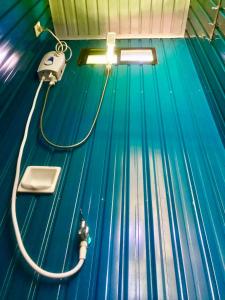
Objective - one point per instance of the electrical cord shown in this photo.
(83, 230)
(64, 147)
(61, 46)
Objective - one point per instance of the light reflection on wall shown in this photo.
(8, 62)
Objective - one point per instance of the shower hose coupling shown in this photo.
(108, 69)
(84, 237)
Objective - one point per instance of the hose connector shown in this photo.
(108, 69)
(84, 231)
(85, 239)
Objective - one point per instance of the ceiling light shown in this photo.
(101, 59)
(137, 55)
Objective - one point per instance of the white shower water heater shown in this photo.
(52, 64)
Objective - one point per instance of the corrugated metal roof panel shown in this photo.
(150, 182)
(131, 18)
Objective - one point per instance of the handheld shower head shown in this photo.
(111, 41)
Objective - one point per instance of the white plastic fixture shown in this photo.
(52, 64)
(137, 55)
(109, 57)
(39, 179)
(111, 42)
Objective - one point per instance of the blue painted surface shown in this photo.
(209, 58)
(150, 182)
(20, 52)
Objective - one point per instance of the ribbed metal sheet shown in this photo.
(209, 61)
(19, 50)
(207, 17)
(150, 182)
(78, 19)
(208, 56)
(221, 21)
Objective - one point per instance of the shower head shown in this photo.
(111, 41)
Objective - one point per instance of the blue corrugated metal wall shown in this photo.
(150, 182)
(209, 57)
(20, 51)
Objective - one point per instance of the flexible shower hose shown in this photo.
(83, 244)
(81, 142)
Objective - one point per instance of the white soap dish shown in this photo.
(39, 179)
